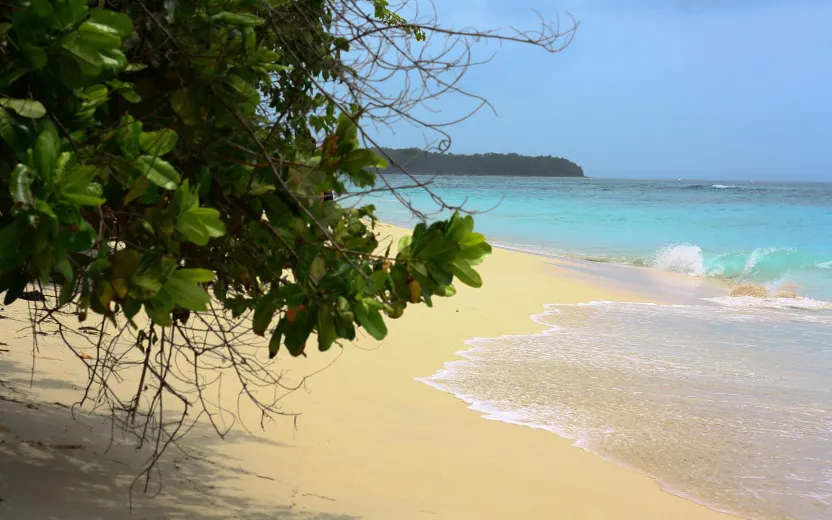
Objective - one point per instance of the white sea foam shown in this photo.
(751, 302)
(723, 186)
(680, 258)
(659, 387)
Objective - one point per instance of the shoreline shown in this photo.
(486, 412)
(372, 440)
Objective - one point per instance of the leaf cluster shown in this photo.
(169, 157)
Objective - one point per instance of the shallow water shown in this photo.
(731, 407)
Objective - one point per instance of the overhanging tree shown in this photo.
(162, 164)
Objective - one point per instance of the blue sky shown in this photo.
(655, 88)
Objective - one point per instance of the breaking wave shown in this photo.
(757, 265)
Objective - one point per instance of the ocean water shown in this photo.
(724, 400)
(776, 234)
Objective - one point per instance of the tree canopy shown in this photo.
(162, 165)
(417, 161)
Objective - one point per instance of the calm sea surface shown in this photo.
(725, 400)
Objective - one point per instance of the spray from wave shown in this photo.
(779, 272)
(680, 258)
(709, 186)
(758, 265)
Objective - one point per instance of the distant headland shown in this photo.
(417, 161)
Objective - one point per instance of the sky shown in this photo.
(723, 89)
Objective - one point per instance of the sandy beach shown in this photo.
(371, 442)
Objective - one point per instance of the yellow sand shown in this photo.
(372, 442)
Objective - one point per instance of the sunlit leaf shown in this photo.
(245, 19)
(466, 273)
(21, 185)
(371, 320)
(158, 143)
(187, 294)
(201, 224)
(195, 275)
(108, 21)
(24, 107)
(158, 171)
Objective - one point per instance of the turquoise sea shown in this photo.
(770, 233)
(725, 400)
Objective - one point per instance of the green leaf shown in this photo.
(346, 131)
(326, 328)
(92, 97)
(77, 186)
(123, 263)
(45, 208)
(40, 9)
(158, 171)
(69, 12)
(21, 185)
(379, 279)
(187, 294)
(200, 224)
(195, 275)
(457, 226)
(185, 107)
(131, 307)
(297, 333)
(244, 90)
(363, 158)
(24, 107)
(471, 240)
(111, 22)
(85, 55)
(103, 296)
(15, 289)
(317, 269)
(36, 55)
(466, 273)
(371, 320)
(68, 288)
(158, 143)
(159, 316)
(149, 285)
(128, 134)
(47, 149)
(13, 132)
(404, 243)
(245, 19)
(446, 291)
(139, 188)
(277, 337)
(474, 255)
(127, 90)
(260, 189)
(291, 294)
(263, 313)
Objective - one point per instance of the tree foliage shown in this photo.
(417, 161)
(141, 172)
(162, 171)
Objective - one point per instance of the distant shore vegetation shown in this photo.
(417, 161)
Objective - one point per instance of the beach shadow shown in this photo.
(56, 467)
